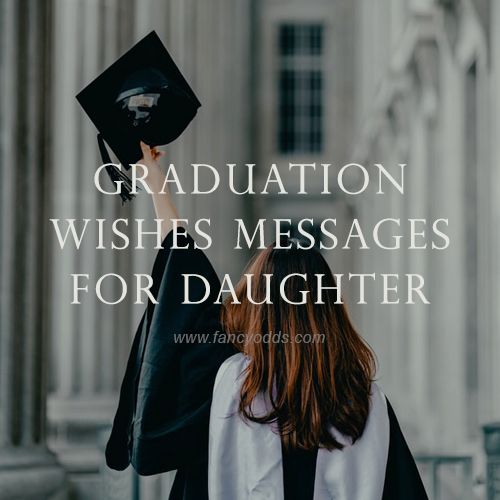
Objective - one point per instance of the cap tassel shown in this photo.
(115, 174)
(126, 184)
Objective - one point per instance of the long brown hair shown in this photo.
(312, 385)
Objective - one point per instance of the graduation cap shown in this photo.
(141, 97)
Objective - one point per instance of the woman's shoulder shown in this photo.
(378, 397)
(230, 371)
(378, 417)
(376, 391)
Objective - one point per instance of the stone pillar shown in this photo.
(492, 448)
(90, 342)
(27, 469)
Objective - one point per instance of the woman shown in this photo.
(243, 418)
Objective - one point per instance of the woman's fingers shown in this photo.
(150, 154)
(157, 154)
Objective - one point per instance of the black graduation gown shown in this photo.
(162, 419)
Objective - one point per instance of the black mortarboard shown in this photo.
(142, 96)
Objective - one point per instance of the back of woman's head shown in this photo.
(313, 365)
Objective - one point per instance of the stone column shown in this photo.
(90, 342)
(27, 469)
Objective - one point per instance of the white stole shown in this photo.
(245, 460)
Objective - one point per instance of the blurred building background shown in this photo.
(330, 81)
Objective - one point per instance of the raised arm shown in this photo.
(163, 414)
(164, 206)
